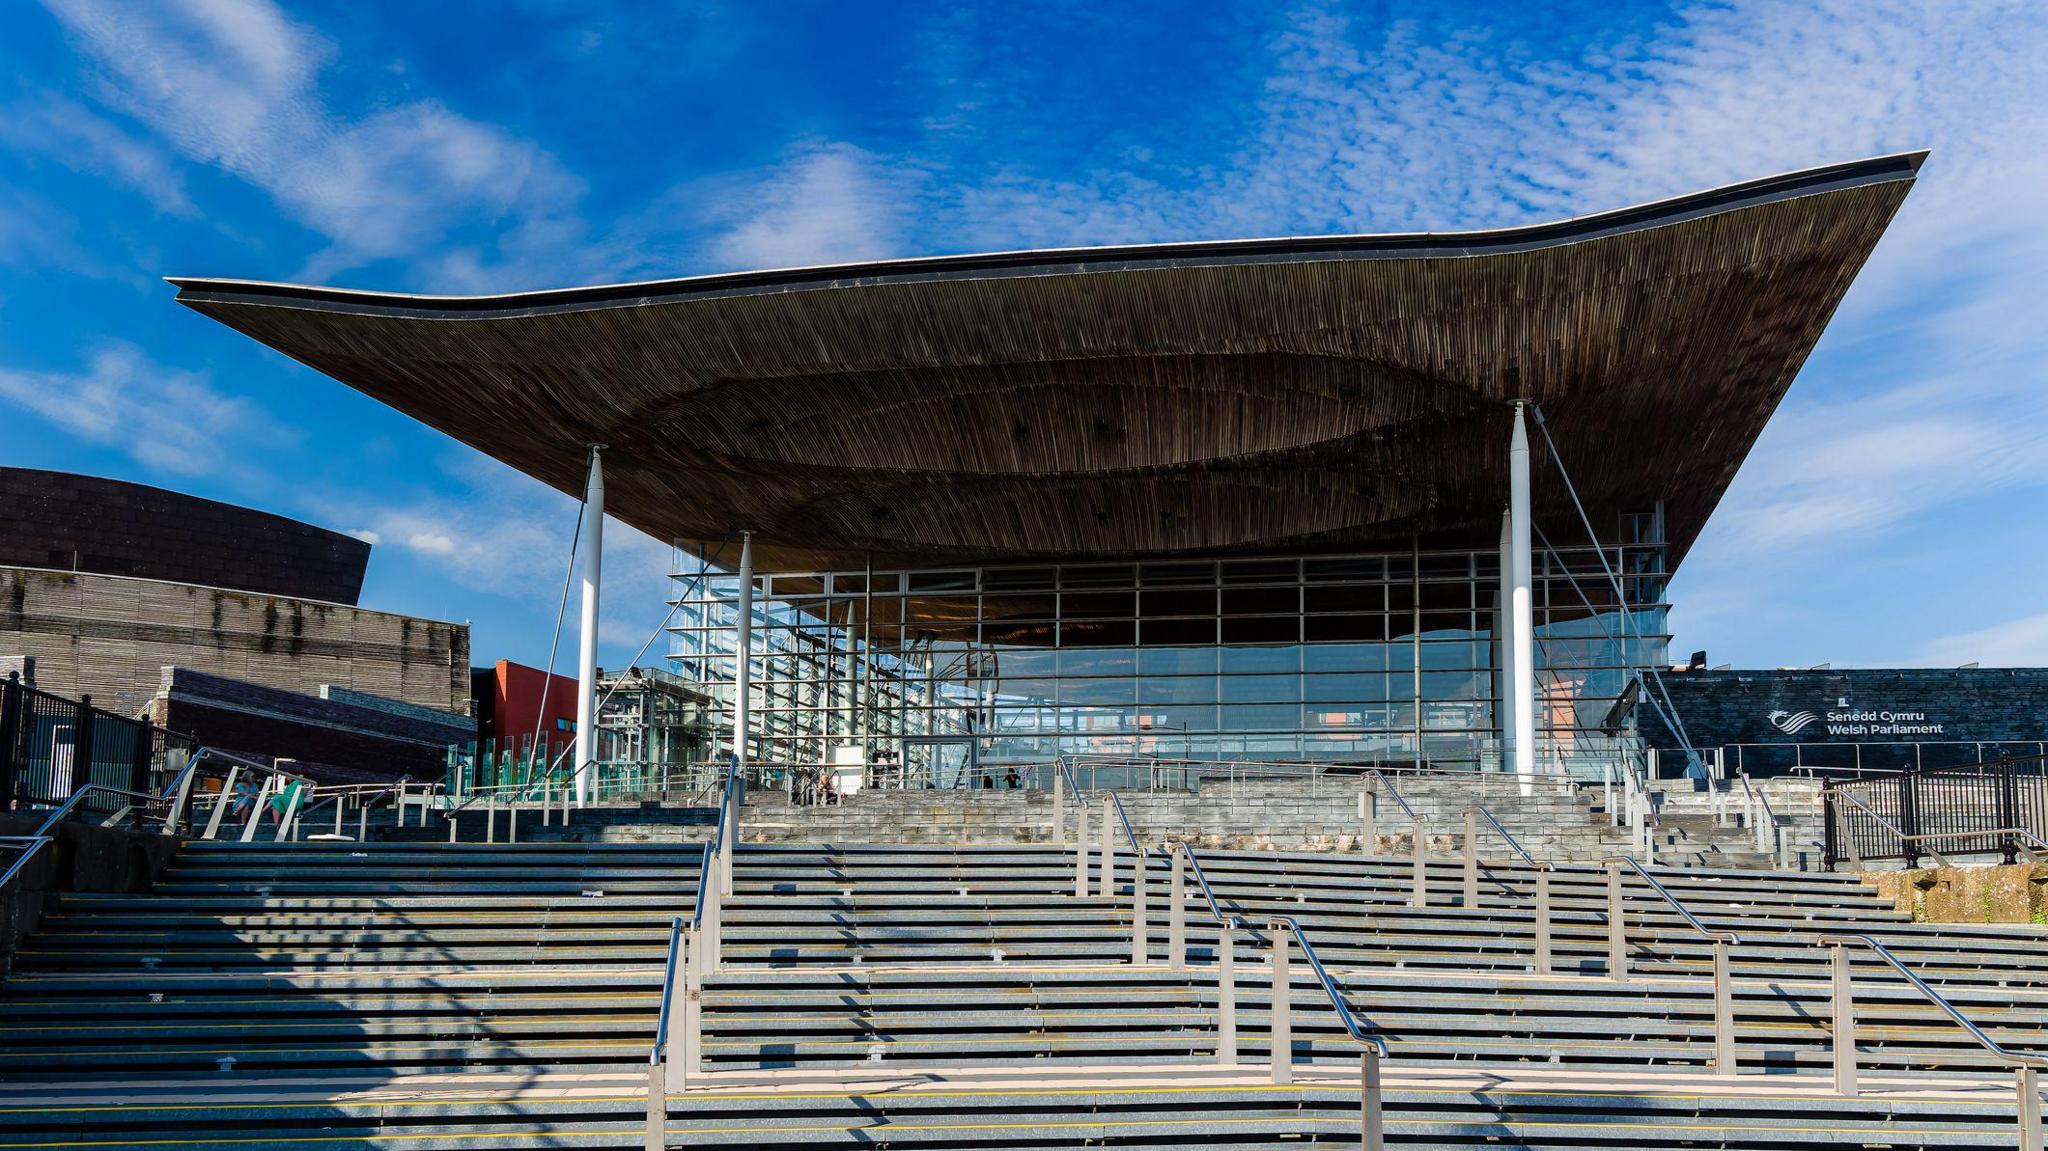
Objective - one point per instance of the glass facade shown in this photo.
(1387, 657)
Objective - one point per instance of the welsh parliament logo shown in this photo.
(1792, 722)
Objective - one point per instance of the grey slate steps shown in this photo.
(358, 963)
(1214, 1117)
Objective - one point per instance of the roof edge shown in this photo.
(193, 291)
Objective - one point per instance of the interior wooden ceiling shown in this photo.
(1243, 397)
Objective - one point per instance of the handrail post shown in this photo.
(491, 818)
(1368, 800)
(1226, 996)
(1141, 942)
(1059, 806)
(221, 801)
(1724, 1012)
(1543, 961)
(1420, 895)
(657, 1106)
(2027, 1083)
(1371, 1118)
(1081, 849)
(256, 809)
(363, 823)
(1282, 1043)
(1845, 1020)
(1617, 930)
(178, 806)
(1107, 886)
(685, 1044)
(1471, 858)
(1177, 914)
(728, 841)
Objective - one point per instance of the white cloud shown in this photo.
(826, 203)
(2019, 642)
(165, 418)
(365, 535)
(232, 83)
(71, 134)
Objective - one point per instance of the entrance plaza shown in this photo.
(1229, 679)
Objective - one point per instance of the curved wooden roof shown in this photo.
(1247, 396)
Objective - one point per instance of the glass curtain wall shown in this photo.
(1382, 657)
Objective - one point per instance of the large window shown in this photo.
(1372, 657)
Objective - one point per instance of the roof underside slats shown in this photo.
(1245, 397)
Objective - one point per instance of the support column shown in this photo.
(743, 652)
(1504, 632)
(1522, 655)
(591, 562)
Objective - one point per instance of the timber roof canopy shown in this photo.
(1248, 396)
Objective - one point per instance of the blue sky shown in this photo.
(1891, 513)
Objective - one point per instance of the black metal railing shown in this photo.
(1996, 807)
(52, 748)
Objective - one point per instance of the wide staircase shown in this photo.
(433, 995)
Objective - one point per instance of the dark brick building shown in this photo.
(75, 523)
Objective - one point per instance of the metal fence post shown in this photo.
(1282, 1044)
(81, 744)
(1617, 930)
(1471, 859)
(12, 692)
(1226, 996)
(2008, 807)
(1543, 961)
(138, 760)
(1081, 850)
(1829, 808)
(1371, 1121)
(1909, 816)
(1141, 942)
(1724, 1012)
(1177, 915)
(1845, 1020)
(1420, 895)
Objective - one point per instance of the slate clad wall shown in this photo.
(85, 523)
(357, 735)
(1876, 714)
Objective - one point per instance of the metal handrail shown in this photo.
(1230, 921)
(1506, 835)
(1691, 920)
(58, 815)
(2010, 1058)
(1379, 776)
(715, 846)
(1144, 856)
(1330, 988)
(1970, 833)
(34, 844)
(704, 868)
(668, 986)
